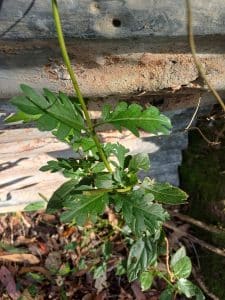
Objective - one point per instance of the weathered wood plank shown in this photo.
(110, 19)
(131, 70)
(144, 51)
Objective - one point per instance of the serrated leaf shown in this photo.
(84, 207)
(180, 253)
(87, 145)
(73, 168)
(182, 268)
(60, 195)
(146, 280)
(139, 162)
(21, 116)
(105, 111)
(141, 214)
(142, 254)
(52, 165)
(104, 181)
(189, 289)
(134, 117)
(56, 112)
(165, 192)
(117, 150)
(98, 167)
(35, 206)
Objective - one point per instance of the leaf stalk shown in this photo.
(66, 59)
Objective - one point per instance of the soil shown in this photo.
(42, 259)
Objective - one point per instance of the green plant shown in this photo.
(106, 175)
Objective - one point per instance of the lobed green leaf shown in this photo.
(118, 151)
(83, 207)
(139, 162)
(140, 213)
(51, 112)
(165, 192)
(133, 118)
(60, 195)
(35, 206)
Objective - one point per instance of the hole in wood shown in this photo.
(116, 22)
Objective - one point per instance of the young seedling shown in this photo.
(106, 176)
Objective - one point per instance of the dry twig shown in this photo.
(167, 260)
(197, 223)
(212, 143)
(195, 240)
(202, 285)
(197, 62)
(194, 114)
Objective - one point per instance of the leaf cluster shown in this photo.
(91, 188)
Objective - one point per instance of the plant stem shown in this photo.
(196, 61)
(164, 277)
(167, 260)
(96, 191)
(67, 62)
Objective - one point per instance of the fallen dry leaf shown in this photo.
(53, 262)
(100, 282)
(38, 269)
(68, 232)
(22, 240)
(20, 258)
(43, 248)
(48, 218)
(124, 295)
(8, 282)
(27, 296)
(113, 220)
(101, 296)
(137, 291)
(89, 296)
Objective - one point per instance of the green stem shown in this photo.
(67, 62)
(120, 190)
(164, 277)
